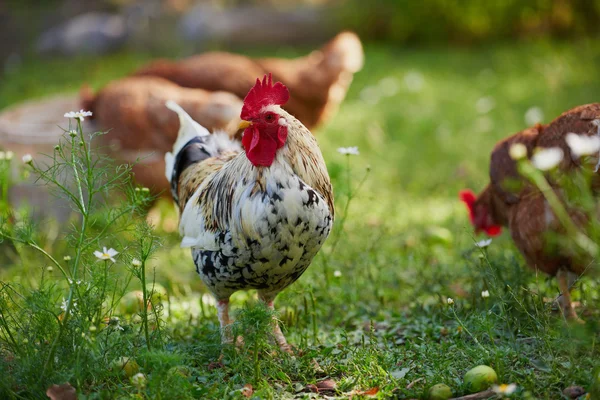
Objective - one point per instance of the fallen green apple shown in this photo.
(480, 378)
(440, 392)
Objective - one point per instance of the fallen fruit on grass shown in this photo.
(126, 365)
(440, 392)
(157, 293)
(480, 378)
(132, 302)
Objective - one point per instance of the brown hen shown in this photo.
(319, 81)
(511, 201)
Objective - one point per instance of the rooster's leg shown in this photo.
(565, 280)
(223, 313)
(279, 338)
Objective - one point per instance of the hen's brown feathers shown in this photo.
(318, 82)
(514, 202)
(140, 125)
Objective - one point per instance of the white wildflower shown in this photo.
(485, 104)
(483, 243)
(139, 380)
(337, 273)
(115, 323)
(517, 151)
(106, 254)
(27, 159)
(450, 301)
(136, 263)
(80, 115)
(582, 145)
(49, 268)
(64, 305)
(9, 155)
(533, 116)
(485, 294)
(72, 133)
(504, 389)
(67, 258)
(548, 158)
(348, 151)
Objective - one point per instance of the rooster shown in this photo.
(526, 211)
(254, 216)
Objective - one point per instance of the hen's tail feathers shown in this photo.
(87, 99)
(344, 53)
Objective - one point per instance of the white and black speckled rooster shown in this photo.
(253, 217)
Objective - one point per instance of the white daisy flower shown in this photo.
(67, 258)
(337, 273)
(27, 159)
(450, 301)
(504, 389)
(80, 115)
(483, 243)
(534, 115)
(106, 254)
(485, 294)
(348, 151)
(517, 151)
(136, 263)
(547, 158)
(582, 145)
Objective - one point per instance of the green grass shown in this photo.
(405, 248)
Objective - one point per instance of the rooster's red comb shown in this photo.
(468, 197)
(263, 94)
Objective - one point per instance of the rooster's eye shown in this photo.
(269, 117)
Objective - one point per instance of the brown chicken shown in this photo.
(510, 201)
(318, 82)
(133, 109)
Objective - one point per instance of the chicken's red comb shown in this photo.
(263, 94)
(468, 197)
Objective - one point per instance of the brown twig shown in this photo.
(486, 394)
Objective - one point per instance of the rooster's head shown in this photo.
(480, 213)
(265, 130)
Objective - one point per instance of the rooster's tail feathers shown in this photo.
(194, 144)
(188, 130)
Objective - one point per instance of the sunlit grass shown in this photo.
(382, 320)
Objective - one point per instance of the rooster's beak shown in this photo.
(244, 124)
